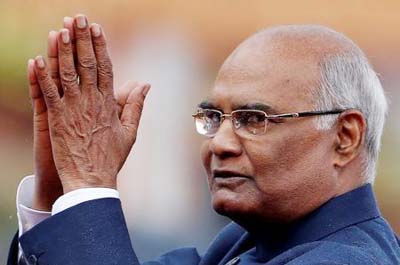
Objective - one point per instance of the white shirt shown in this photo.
(28, 217)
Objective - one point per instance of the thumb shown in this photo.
(133, 107)
(122, 94)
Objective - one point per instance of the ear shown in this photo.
(351, 129)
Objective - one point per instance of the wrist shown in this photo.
(76, 185)
(45, 194)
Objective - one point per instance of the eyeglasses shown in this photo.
(246, 122)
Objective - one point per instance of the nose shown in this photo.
(225, 142)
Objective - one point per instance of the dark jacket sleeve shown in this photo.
(92, 232)
(13, 253)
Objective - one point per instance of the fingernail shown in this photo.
(65, 36)
(81, 21)
(40, 62)
(30, 62)
(67, 19)
(52, 32)
(146, 89)
(96, 31)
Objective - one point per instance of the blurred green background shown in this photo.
(178, 46)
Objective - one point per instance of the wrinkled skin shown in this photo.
(293, 168)
(82, 133)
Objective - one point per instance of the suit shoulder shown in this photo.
(374, 236)
(369, 242)
(327, 252)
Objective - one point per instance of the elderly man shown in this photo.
(292, 125)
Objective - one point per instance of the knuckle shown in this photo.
(82, 34)
(65, 50)
(100, 44)
(88, 63)
(54, 74)
(105, 70)
(89, 81)
(68, 76)
(51, 94)
(105, 63)
(42, 77)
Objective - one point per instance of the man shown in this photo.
(292, 125)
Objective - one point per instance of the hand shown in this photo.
(90, 140)
(47, 182)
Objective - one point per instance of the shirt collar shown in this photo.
(345, 210)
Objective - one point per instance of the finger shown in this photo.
(87, 67)
(123, 93)
(47, 86)
(104, 65)
(38, 104)
(68, 75)
(52, 56)
(132, 110)
(69, 24)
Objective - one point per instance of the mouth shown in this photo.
(227, 174)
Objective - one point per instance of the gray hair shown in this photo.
(349, 81)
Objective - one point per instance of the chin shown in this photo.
(247, 211)
(229, 203)
(238, 208)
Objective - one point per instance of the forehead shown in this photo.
(282, 78)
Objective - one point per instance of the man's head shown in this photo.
(300, 163)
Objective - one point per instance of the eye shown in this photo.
(249, 117)
(207, 122)
(252, 122)
(256, 117)
(212, 116)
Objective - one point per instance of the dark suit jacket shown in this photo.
(346, 230)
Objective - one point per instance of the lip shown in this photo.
(227, 174)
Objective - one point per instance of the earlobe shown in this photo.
(350, 137)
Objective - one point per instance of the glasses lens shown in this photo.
(249, 121)
(207, 122)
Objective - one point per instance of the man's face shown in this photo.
(286, 172)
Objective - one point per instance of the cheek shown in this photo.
(286, 154)
(206, 156)
(292, 170)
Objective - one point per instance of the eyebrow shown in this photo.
(205, 104)
(249, 106)
(256, 106)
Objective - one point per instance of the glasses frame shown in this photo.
(267, 116)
